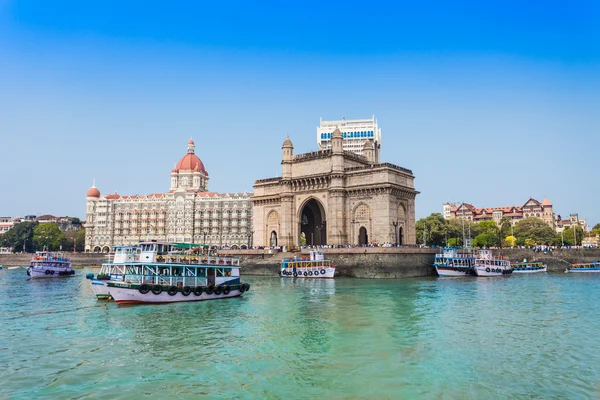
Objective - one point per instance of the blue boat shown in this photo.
(584, 267)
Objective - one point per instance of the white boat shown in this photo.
(488, 265)
(452, 263)
(164, 273)
(584, 267)
(12, 267)
(528, 267)
(113, 269)
(47, 264)
(313, 266)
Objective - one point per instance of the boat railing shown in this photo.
(166, 280)
(197, 260)
(306, 264)
(51, 258)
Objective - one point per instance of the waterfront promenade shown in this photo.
(358, 262)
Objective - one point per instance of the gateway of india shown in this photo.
(339, 195)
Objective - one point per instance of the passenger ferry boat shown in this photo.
(488, 265)
(452, 263)
(528, 267)
(165, 273)
(314, 266)
(584, 267)
(47, 264)
(113, 269)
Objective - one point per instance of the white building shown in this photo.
(186, 213)
(5, 224)
(355, 133)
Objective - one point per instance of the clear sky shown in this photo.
(486, 102)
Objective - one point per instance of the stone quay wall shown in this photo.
(370, 262)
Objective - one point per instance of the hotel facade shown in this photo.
(188, 213)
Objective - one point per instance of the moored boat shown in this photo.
(164, 273)
(528, 267)
(47, 264)
(114, 269)
(584, 267)
(313, 266)
(452, 263)
(488, 265)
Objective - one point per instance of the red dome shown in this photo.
(93, 192)
(190, 162)
(191, 142)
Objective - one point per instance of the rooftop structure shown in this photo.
(355, 134)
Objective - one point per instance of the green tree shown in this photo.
(432, 230)
(74, 238)
(536, 230)
(505, 225)
(567, 237)
(486, 240)
(47, 236)
(596, 230)
(20, 234)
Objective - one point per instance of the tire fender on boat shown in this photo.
(226, 289)
(242, 288)
(47, 272)
(322, 272)
(218, 290)
(172, 290)
(144, 288)
(487, 269)
(157, 289)
(210, 289)
(186, 290)
(295, 274)
(197, 290)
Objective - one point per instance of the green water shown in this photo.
(534, 336)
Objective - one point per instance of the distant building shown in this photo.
(573, 220)
(5, 224)
(591, 242)
(355, 133)
(531, 208)
(188, 213)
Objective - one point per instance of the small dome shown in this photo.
(93, 192)
(174, 170)
(368, 145)
(191, 142)
(337, 134)
(287, 143)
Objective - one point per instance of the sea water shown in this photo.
(521, 336)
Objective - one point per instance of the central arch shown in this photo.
(313, 223)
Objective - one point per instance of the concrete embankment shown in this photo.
(372, 262)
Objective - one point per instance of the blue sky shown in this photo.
(487, 102)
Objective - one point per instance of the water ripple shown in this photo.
(521, 337)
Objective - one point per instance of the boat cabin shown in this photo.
(124, 254)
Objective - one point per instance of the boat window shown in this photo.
(219, 272)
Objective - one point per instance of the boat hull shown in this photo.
(128, 295)
(452, 272)
(574, 270)
(53, 272)
(530, 271)
(100, 289)
(308, 273)
(489, 271)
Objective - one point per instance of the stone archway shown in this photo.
(273, 239)
(97, 249)
(313, 223)
(363, 238)
(106, 249)
(401, 236)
